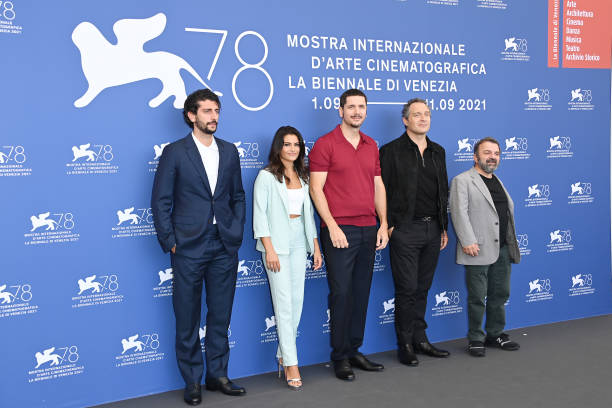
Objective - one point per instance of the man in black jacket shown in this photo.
(414, 173)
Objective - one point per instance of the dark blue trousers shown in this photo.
(217, 270)
(349, 276)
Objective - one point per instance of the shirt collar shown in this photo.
(414, 145)
(363, 137)
(200, 145)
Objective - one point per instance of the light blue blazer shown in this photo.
(271, 214)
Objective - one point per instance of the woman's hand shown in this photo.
(318, 259)
(272, 262)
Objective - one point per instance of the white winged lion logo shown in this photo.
(106, 65)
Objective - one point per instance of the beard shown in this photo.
(354, 122)
(488, 166)
(204, 127)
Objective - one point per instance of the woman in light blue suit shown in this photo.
(283, 224)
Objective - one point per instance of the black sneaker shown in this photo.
(476, 349)
(503, 342)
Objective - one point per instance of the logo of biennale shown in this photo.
(447, 302)
(539, 290)
(106, 65)
(126, 215)
(388, 314)
(47, 356)
(159, 149)
(581, 96)
(269, 335)
(582, 284)
(465, 145)
(389, 305)
(580, 100)
(6, 297)
(131, 343)
(165, 275)
(270, 322)
(62, 363)
(538, 195)
(516, 148)
(515, 49)
(538, 99)
(580, 193)
(559, 147)
(42, 221)
(560, 240)
(465, 149)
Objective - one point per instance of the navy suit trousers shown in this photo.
(217, 270)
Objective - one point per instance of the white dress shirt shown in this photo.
(210, 159)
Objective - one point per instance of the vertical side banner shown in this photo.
(554, 10)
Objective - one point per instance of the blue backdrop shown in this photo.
(85, 291)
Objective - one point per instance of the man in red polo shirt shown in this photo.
(347, 189)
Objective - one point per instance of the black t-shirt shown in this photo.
(501, 205)
(427, 186)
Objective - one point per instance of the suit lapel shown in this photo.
(482, 187)
(196, 160)
(222, 161)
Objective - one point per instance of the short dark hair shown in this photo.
(351, 92)
(406, 107)
(486, 139)
(192, 103)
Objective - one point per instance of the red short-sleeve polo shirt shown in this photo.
(349, 187)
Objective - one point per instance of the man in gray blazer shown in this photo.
(483, 217)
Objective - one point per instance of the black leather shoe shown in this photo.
(193, 394)
(343, 370)
(224, 385)
(426, 347)
(406, 355)
(360, 361)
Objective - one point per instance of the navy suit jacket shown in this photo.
(183, 205)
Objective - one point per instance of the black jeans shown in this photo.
(349, 276)
(414, 250)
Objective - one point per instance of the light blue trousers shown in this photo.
(287, 289)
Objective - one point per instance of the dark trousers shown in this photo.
(217, 270)
(414, 250)
(349, 276)
(493, 282)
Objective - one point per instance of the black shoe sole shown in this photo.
(409, 364)
(367, 369)
(431, 355)
(476, 354)
(215, 388)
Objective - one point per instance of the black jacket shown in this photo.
(399, 166)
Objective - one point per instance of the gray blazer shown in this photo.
(475, 220)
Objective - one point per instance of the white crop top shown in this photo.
(296, 201)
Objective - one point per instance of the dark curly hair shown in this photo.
(192, 103)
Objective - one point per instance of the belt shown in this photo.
(425, 219)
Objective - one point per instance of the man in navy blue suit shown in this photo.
(199, 209)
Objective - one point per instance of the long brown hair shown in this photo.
(275, 165)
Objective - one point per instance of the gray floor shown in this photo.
(559, 365)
